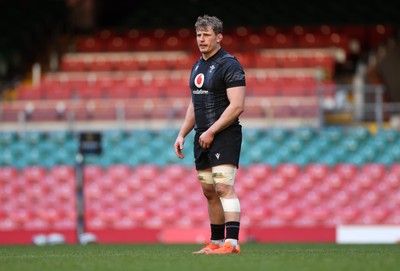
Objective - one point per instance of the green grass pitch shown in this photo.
(254, 256)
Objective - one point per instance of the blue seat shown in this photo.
(277, 135)
(294, 144)
(59, 137)
(253, 154)
(388, 135)
(301, 159)
(7, 138)
(329, 159)
(6, 157)
(115, 136)
(304, 134)
(332, 134)
(251, 135)
(359, 133)
(142, 136)
(32, 137)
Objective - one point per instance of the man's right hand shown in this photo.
(179, 147)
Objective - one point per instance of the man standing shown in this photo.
(217, 83)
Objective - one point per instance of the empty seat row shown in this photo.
(120, 196)
(98, 85)
(164, 88)
(127, 61)
(177, 60)
(300, 146)
(240, 38)
(121, 109)
(37, 198)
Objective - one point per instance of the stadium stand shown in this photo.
(311, 180)
(290, 179)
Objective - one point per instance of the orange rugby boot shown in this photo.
(227, 248)
(207, 248)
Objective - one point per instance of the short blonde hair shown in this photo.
(206, 21)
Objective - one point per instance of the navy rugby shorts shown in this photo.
(225, 149)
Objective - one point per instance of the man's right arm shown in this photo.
(186, 127)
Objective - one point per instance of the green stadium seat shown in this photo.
(59, 137)
(388, 135)
(329, 159)
(351, 144)
(332, 134)
(304, 134)
(301, 159)
(359, 133)
(7, 138)
(114, 136)
(32, 137)
(278, 135)
(294, 144)
(6, 157)
(254, 154)
(252, 135)
(142, 136)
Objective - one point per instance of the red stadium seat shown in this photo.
(259, 171)
(373, 216)
(304, 181)
(118, 172)
(156, 64)
(288, 171)
(292, 59)
(34, 174)
(147, 172)
(117, 44)
(391, 179)
(175, 171)
(173, 43)
(127, 64)
(374, 170)
(89, 44)
(347, 215)
(317, 171)
(364, 180)
(182, 63)
(309, 40)
(255, 41)
(8, 174)
(282, 40)
(264, 87)
(257, 214)
(30, 93)
(276, 181)
(72, 65)
(145, 44)
(92, 173)
(266, 61)
(317, 215)
(346, 171)
(63, 173)
(100, 63)
(341, 199)
(320, 59)
(288, 213)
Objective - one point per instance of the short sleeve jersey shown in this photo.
(209, 81)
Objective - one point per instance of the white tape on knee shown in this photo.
(224, 174)
(205, 177)
(230, 205)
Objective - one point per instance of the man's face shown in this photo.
(208, 41)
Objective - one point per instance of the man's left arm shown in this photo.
(236, 96)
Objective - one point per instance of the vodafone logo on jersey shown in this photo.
(199, 80)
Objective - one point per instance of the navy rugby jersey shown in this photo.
(209, 80)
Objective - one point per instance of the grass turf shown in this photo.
(265, 257)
